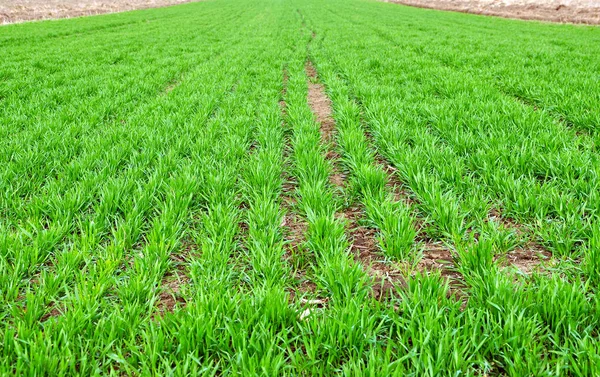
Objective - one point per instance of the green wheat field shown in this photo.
(299, 188)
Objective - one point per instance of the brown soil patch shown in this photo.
(54, 312)
(173, 281)
(527, 259)
(337, 179)
(320, 104)
(496, 216)
(436, 256)
(170, 293)
(29, 10)
(574, 11)
(304, 287)
(386, 277)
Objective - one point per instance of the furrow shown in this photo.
(363, 240)
(293, 224)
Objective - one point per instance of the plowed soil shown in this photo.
(12, 11)
(571, 11)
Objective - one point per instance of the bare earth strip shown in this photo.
(571, 11)
(12, 11)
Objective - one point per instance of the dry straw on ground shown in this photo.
(12, 11)
(572, 11)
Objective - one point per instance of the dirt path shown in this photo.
(12, 11)
(572, 11)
